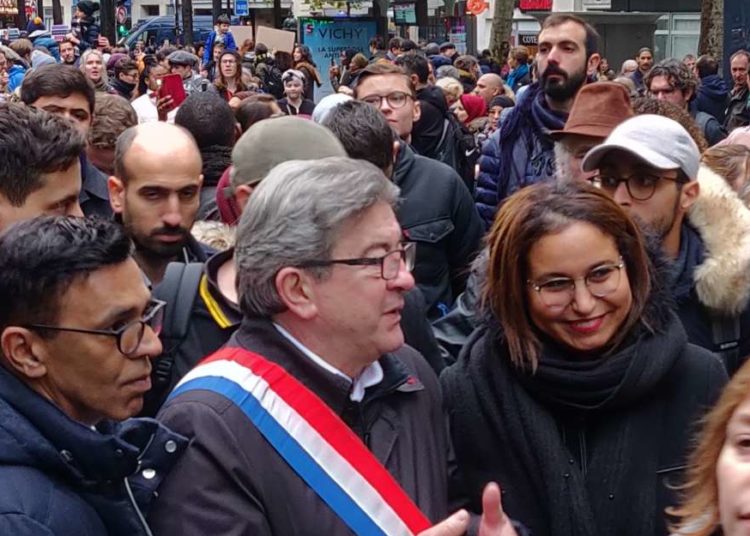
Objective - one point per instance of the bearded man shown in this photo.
(521, 152)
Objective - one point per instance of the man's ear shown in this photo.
(23, 352)
(417, 110)
(296, 292)
(396, 149)
(116, 194)
(242, 195)
(689, 194)
(237, 132)
(592, 65)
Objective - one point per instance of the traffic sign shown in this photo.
(241, 8)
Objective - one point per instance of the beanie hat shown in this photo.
(503, 101)
(474, 105)
(34, 25)
(88, 7)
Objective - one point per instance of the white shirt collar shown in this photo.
(371, 375)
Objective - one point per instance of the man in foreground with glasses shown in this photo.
(77, 329)
(441, 214)
(315, 417)
(650, 166)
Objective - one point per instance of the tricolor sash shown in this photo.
(312, 439)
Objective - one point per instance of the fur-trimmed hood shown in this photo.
(722, 281)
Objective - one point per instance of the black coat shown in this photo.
(438, 212)
(247, 488)
(573, 469)
(59, 477)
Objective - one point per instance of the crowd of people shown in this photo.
(461, 294)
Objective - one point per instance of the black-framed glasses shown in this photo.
(641, 186)
(558, 292)
(395, 99)
(390, 263)
(130, 335)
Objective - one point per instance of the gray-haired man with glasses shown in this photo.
(321, 281)
(77, 330)
(651, 167)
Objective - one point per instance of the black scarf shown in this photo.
(514, 424)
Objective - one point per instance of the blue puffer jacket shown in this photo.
(518, 154)
(15, 77)
(59, 477)
(45, 40)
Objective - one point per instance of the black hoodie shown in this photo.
(426, 133)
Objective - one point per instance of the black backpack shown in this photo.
(458, 149)
(178, 289)
(272, 81)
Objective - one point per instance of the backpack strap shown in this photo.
(179, 289)
(725, 334)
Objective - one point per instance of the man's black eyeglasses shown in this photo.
(130, 335)
(390, 263)
(641, 187)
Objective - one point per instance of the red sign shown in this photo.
(535, 5)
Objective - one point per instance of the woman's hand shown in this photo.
(494, 521)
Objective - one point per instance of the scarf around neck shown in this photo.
(519, 418)
(525, 132)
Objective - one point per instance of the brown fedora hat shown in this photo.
(599, 107)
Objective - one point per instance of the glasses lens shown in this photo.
(603, 280)
(372, 100)
(642, 187)
(410, 255)
(391, 265)
(396, 99)
(130, 339)
(557, 293)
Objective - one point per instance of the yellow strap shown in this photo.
(213, 306)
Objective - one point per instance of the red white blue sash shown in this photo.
(312, 439)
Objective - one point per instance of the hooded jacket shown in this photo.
(60, 477)
(437, 212)
(713, 267)
(428, 131)
(712, 96)
(46, 40)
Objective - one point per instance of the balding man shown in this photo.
(488, 87)
(155, 191)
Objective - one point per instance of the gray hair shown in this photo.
(294, 217)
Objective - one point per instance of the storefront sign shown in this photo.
(535, 5)
(327, 38)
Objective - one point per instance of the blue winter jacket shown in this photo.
(59, 477)
(15, 77)
(229, 44)
(46, 40)
(530, 151)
